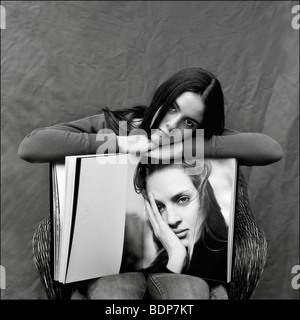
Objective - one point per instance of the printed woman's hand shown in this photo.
(174, 247)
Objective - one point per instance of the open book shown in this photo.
(99, 225)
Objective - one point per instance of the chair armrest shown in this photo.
(250, 247)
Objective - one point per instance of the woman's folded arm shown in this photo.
(251, 149)
(52, 144)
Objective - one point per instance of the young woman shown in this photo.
(190, 233)
(190, 99)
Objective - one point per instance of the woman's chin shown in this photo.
(185, 242)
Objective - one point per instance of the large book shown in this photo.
(99, 225)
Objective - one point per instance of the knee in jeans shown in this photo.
(120, 286)
(177, 286)
(198, 287)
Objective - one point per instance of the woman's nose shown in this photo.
(172, 218)
(173, 123)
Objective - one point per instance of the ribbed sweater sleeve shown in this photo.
(52, 144)
(90, 136)
(249, 148)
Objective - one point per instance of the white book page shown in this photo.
(60, 182)
(55, 219)
(66, 217)
(98, 237)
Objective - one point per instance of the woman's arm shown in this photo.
(52, 144)
(251, 149)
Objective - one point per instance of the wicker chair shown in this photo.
(249, 254)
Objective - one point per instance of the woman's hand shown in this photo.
(190, 149)
(174, 247)
(167, 151)
(135, 144)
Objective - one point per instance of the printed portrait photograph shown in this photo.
(149, 151)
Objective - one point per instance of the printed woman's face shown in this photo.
(186, 113)
(177, 200)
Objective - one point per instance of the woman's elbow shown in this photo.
(275, 152)
(29, 150)
(278, 153)
(25, 151)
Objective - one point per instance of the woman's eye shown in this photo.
(183, 200)
(160, 208)
(172, 108)
(189, 123)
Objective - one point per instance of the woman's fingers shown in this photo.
(154, 215)
(154, 207)
(151, 216)
(165, 152)
(140, 144)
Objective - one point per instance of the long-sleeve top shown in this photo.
(52, 144)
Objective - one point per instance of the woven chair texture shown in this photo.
(249, 249)
(42, 259)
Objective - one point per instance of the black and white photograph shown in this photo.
(149, 151)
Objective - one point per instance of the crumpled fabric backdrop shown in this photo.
(64, 60)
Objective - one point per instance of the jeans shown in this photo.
(155, 286)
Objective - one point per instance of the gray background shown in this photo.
(61, 61)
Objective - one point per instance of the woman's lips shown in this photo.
(181, 234)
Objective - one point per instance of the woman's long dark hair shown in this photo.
(114, 117)
(196, 80)
(210, 223)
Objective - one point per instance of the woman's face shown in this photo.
(186, 112)
(177, 200)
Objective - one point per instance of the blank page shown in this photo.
(98, 236)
